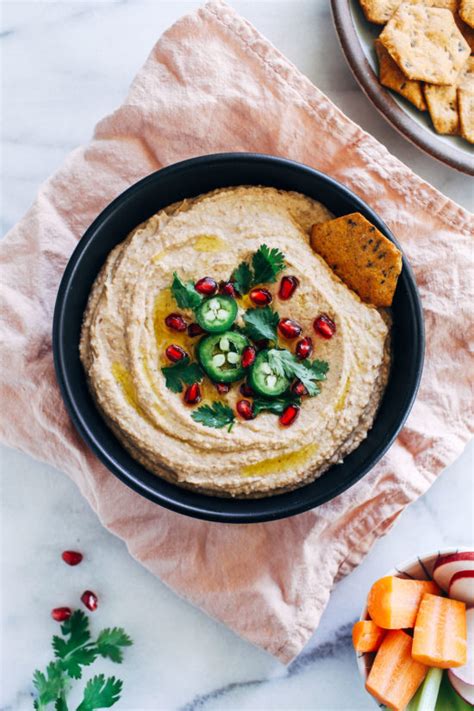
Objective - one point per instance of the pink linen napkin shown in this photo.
(212, 84)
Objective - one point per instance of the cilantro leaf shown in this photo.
(183, 372)
(100, 693)
(185, 295)
(60, 704)
(267, 264)
(76, 651)
(77, 627)
(286, 364)
(242, 278)
(276, 405)
(110, 641)
(49, 686)
(261, 324)
(217, 415)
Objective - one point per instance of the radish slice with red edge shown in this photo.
(465, 691)
(461, 587)
(448, 565)
(466, 672)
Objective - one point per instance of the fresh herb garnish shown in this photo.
(266, 265)
(242, 278)
(185, 294)
(261, 324)
(74, 650)
(276, 405)
(183, 372)
(216, 415)
(284, 363)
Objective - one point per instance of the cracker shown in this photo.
(466, 114)
(392, 77)
(360, 255)
(466, 31)
(466, 11)
(426, 43)
(443, 107)
(380, 11)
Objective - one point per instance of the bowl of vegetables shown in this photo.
(415, 637)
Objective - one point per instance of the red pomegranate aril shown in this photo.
(194, 329)
(245, 409)
(228, 289)
(206, 286)
(261, 297)
(61, 614)
(90, 600)
(175, 353)
(71, 557)
(289, 415)
(248, 356)
(304, 348)
(324, 326)
(192, 394)
(263, 343)
(298, 388)
(246, 390)
(176, 322)
(289, 328)
(222, 388)
(288, 286)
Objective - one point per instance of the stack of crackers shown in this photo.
(424, 54)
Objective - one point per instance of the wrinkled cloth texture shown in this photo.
(212, 84)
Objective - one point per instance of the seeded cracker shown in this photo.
(360, 255)
(443, 100)
(380, 11)
(466, 10)
(466, 31)
(426, 43)
(392, 77)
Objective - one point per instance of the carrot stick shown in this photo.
(393, 602)
(440, 637)
(367, 636)
(395, 675)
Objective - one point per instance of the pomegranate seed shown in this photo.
(289, 328)
(192, 394)
(324, 326)
(245, 409)
(227, 288)
(194, 329)
(261, 344)
(176, 322)
(298, 388)
(222, 388)
(261, 297)
(90, 600)
(289, 415)
(288, 286)
(304, 348)
(175, 353)
(246, 390)
(71, 557)
(206, 286)
(248, 356)
(61, 614)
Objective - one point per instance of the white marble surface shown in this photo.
(64, 66)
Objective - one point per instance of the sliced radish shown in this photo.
(466, 672)
(461, 587)
(465, 691)
(448, 565)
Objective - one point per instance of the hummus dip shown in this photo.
(124, 339)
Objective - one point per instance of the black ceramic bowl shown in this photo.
(138, 203)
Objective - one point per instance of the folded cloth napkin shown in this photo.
(268, 582)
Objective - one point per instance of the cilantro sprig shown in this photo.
(216, 415)
(284, 363)
(265, 266)
(276, 405)
(261, 324)
(183, 373)
(73, 651)
(185, 294)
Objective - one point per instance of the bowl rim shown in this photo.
(272, 511)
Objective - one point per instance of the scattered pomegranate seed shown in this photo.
(298, 388)
(248, 356)
(90, 600)
(61, 614)
(194, 329)
(176, 322)
(71, 557)
(289, 328)
(304, 348)
(324, 326)
(261, 344)
(175, 353)
(289, 415)
(288, 286)
(192, 394)
(222, 388)
(246, 390)
(227, 288)
(245, 409)
(206, 286)
(260, 297)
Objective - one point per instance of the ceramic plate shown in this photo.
(357, 36)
